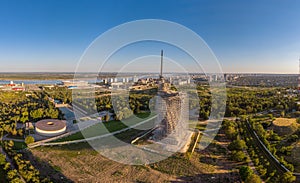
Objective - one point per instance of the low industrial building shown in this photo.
(50, 127)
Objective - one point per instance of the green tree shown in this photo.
(253, 179)
(10, 143)
(52, 113)
(20, 132)
(237, 145)
(238, 156)
(16, 180)
(24, 117)
(245, 172)
(29, 139)
(2, 159)
(288, 177)
(37, 114)
(231, 132)
(11, 174)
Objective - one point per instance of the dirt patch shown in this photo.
(284, 121)
(80, 163)
(89, 166)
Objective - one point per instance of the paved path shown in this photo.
(95, 138)
(8, 138)
(75, 129)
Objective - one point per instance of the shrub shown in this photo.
(288, 177)
(29, 139)
(238, 156)
(253, 179)
(245, 172)
(237, 145)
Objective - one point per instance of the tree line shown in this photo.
(23, 107)
(28, 172)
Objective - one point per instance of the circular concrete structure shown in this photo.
(50, 127)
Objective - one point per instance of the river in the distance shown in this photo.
(47, 82)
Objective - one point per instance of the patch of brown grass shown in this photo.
(284, 121)
(284, 126)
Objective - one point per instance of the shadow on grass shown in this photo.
(47, 170)
(126, 137)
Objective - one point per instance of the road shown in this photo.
(267, 154)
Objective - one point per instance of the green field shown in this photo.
(101, 128)
(19, 145)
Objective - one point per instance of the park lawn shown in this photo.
(19, 145)
(102, 128)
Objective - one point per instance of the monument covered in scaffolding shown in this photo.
(172, 109)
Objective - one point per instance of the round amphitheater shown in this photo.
(50, 127)
(284, 126)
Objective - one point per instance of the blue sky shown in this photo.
(51, 35)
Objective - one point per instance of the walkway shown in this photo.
(14, 139)
(91, 138)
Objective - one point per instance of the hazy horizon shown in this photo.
(69, 72)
